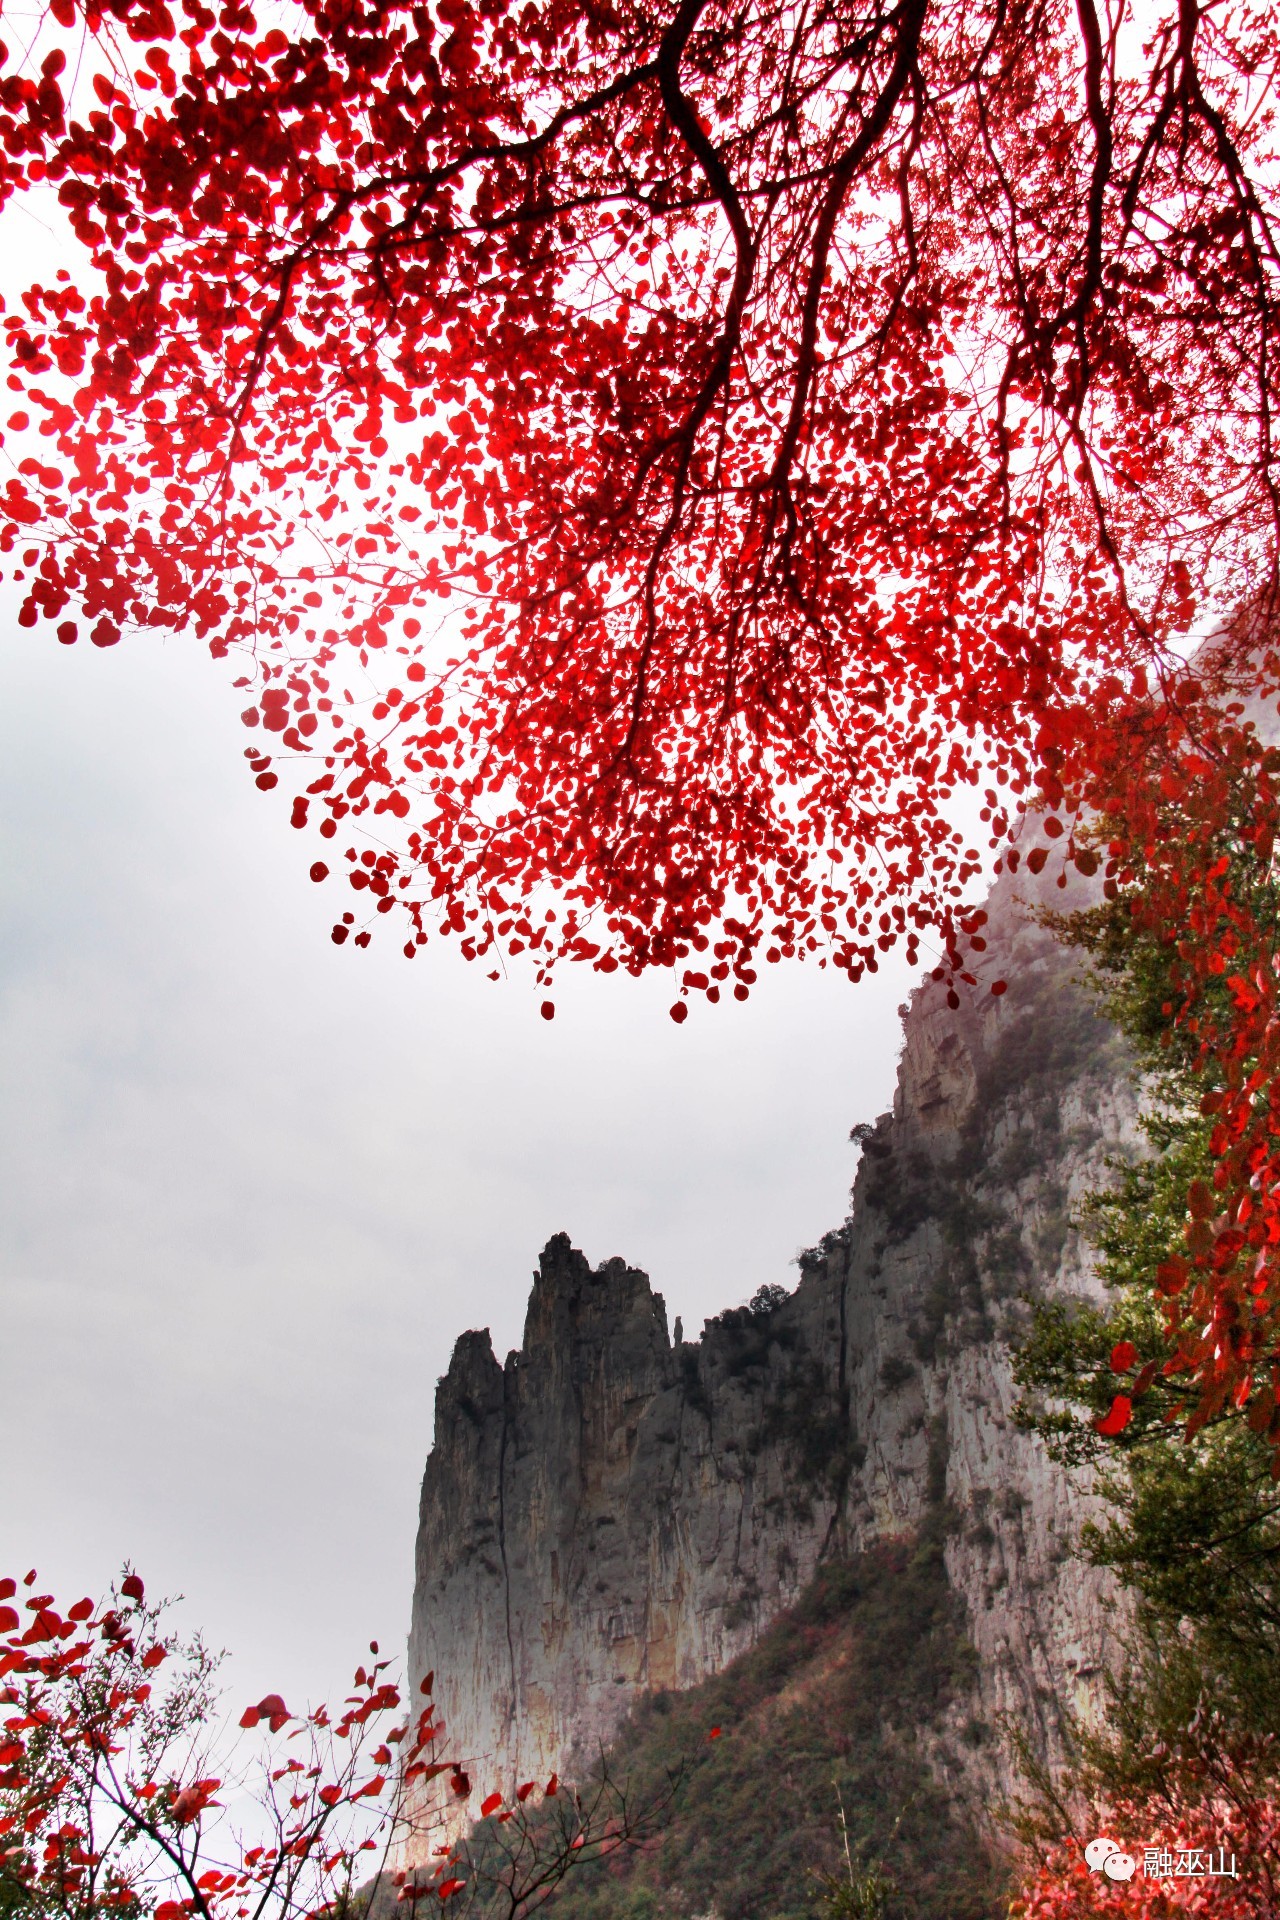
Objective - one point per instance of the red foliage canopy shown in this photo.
(808, 411)
(800, 415)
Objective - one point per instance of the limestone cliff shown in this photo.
(610, 1511)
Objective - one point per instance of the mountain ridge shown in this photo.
(612, 1513)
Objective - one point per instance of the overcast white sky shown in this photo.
(252, 1186)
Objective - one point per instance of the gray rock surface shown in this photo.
(609, 1511)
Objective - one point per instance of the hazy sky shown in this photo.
(252, 1186)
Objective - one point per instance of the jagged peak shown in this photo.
(472, 1363)
(565, 1285)
(470, 1392)
(561, 1265)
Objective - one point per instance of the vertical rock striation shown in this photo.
(610, 1512)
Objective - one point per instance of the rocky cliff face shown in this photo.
(610, 1511)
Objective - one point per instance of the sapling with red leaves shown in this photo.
(123, 1792)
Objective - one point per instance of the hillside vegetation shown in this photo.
(826, 1713)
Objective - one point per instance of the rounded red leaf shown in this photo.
(1118, 1418)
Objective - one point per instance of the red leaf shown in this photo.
(522, 1793)
(190, 1801)
(1200, 1202)
(1118, 1418)
(131, 1587)
(460, 1783)
(553, 1786)
(9, 1620)
(1123, 1356)
(1171, 1278)
(490, 1804)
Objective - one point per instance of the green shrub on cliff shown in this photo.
(828, 1708)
